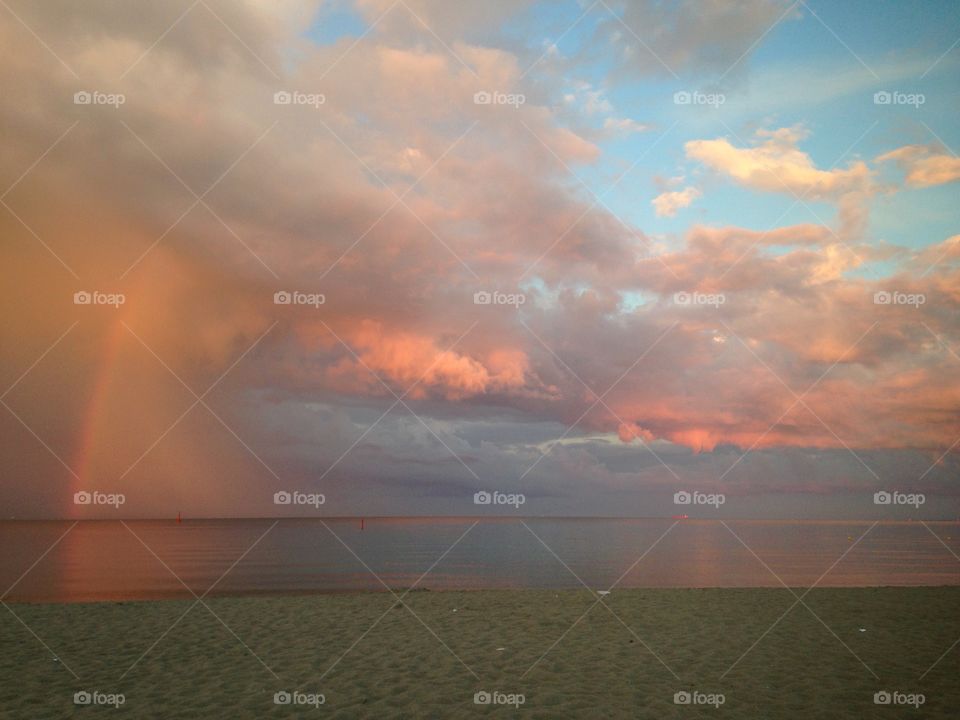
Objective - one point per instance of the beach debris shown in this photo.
(454, 609)
(603, 592)
(862, 629)
(500, 649)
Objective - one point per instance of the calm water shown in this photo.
(98, 560)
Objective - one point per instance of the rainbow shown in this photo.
(92, 425)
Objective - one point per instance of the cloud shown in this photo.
(689, 35)
(630, 432)
(449, 21)
(940, 255)
(306, 199)
(624, 126)
(924, 165)
(415, 361)
(776, 164)
(666, 204)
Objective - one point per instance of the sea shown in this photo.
(95, 560)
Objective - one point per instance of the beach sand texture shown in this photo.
(570, 655)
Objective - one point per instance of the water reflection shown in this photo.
(106, 560)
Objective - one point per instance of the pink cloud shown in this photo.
(668, 203)
(776, 164)
(924, 165)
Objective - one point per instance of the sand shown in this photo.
(601, 668)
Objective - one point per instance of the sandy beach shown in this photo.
(539, 653)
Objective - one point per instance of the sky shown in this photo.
(393, 254)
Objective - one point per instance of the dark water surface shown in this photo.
(138, 559)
